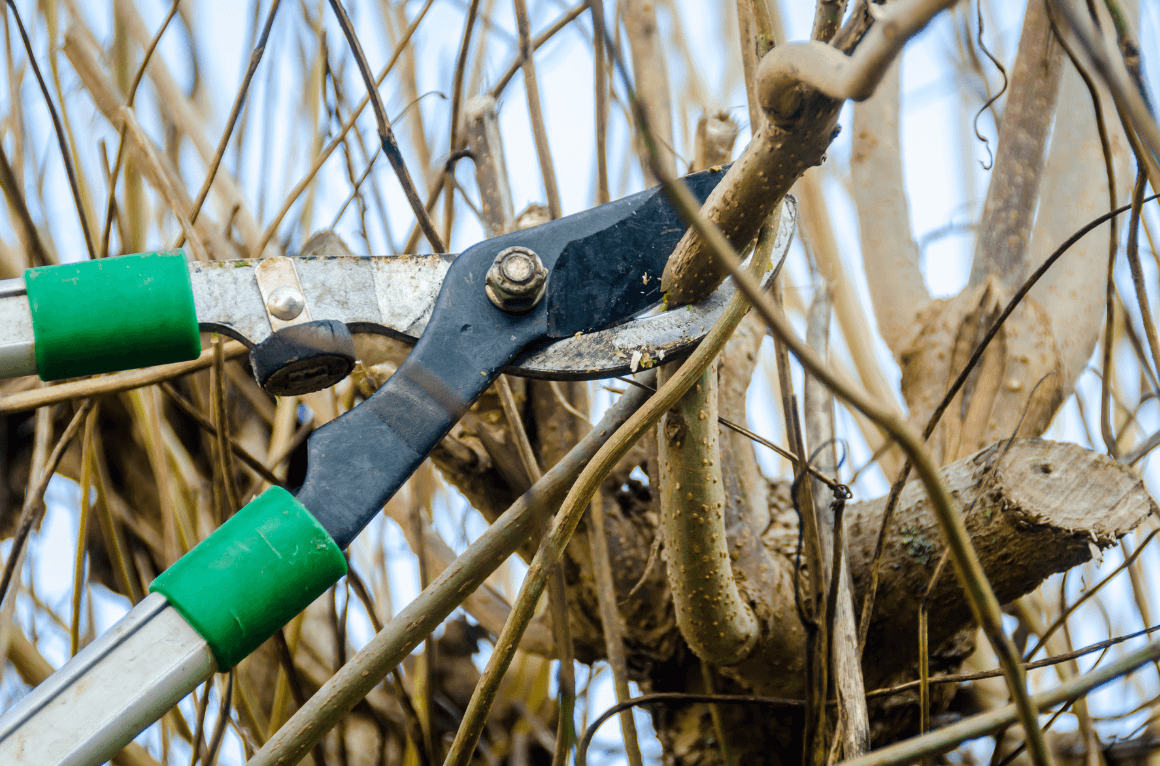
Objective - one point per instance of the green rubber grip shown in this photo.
(241, 584)
(112, 314)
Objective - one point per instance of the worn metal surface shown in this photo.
(17, 351)
(645, 341)
(115, 687)
(391, 295)
(281, 291)
(405, 288)
(358, 461)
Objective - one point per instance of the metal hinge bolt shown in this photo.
(516, 280)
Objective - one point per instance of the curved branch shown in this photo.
(829, 71)
(1008, 212)
(711, 614)
(801, 87)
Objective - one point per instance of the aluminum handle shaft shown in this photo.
(84, 713)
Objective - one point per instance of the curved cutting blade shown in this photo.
(644, 341)
(394, 295)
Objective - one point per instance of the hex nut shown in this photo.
(516, 280)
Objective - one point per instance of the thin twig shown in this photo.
(456, 103)
(65, 157)
(386, 135)
(320, 160)
(611, 623)
(111, 384)
(225, 462)
(532, 88)
(235, 111)
(207, 425)
(792, 458)
(28, 513)
(538, 41)
(557, 592)
(87, 446)
(678, 698)
(111, 204)
(949, 737)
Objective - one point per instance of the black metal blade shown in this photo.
(596, 260)
(611, 275)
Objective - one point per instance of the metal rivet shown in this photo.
(516, 280)
(286, 303)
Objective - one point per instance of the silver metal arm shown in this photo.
(17, 356)
(114, 688)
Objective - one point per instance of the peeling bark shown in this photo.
(1000, 388)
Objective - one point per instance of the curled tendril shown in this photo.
(990, 163)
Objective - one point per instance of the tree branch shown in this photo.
(718, 624)
(1005, 226)
(889, 255)
(801, 86)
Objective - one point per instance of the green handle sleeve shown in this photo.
(112, 314)
(253, 575)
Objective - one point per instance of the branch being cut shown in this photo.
(1039, 508)
(801, 87)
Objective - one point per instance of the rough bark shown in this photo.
(1034, 509)
(1000, 388)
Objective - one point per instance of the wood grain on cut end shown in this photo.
(1034, 509)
